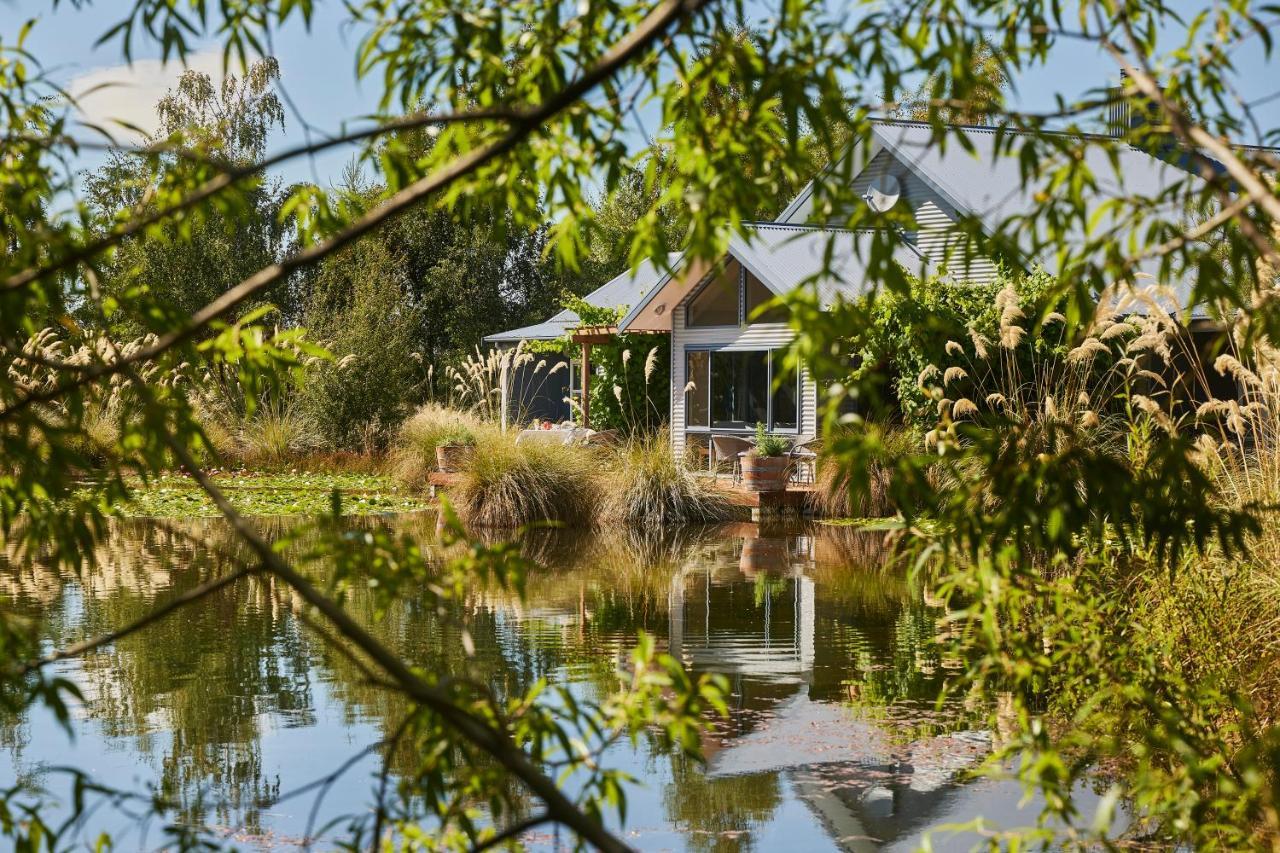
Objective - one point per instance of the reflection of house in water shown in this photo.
(706, 625)
(757, 619)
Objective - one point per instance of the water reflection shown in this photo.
(833, 742)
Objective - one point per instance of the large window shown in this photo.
(717, 303)
(697, 401)
(758, 295)
(735, 390)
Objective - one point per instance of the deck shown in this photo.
(791, 501)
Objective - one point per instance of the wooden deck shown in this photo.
(793, 500)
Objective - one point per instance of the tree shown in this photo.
(534, 104)
(191, 260)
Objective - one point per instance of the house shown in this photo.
(543, 392)
(723, 365)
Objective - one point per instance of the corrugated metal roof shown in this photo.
(785, 257)
(987, 183)
(621, 291)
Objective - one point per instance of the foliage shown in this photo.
(769, 445)
(836, 497)
(457, 436)
(900, 335)
(358, 311)
(187, 263)
(535, 102)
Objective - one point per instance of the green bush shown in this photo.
(358, 312)
(904, 334)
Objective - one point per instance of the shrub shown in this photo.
(510, 485)
(649, 486)
(358, 312)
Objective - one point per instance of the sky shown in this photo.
(322, 91)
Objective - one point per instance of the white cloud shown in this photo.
(108, 96)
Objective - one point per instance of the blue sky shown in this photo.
(318, 74)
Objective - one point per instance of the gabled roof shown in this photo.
(621, 291)
(784, 257)
(987, 183)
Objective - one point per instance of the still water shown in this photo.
(835, 740)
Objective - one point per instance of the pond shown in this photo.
(835, 740)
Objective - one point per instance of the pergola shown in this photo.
(587, 336)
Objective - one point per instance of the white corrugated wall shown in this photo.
(935, 218)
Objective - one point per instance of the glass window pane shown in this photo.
(717, 303)
(739, 389)
(785, 404)
(757, 295)
(696, 412)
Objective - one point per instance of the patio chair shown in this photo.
(604, 438)
(804, 460)
(729, 447)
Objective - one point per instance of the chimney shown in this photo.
(1127, 113)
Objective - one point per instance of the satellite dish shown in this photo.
(883, 193)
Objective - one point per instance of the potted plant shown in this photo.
(767, 466)
(454, 449)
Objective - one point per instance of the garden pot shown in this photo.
(766, 473)
(452, 458)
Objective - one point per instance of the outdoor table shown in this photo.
(552, 436)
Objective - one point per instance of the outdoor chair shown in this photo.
(804, 460)
(603, 438)
(730, 448)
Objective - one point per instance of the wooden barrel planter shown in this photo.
(452, 458)
(766, 473)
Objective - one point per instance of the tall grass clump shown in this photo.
(413, 454)
(649, 487)
(510, 485)
(838, 493)
(274, 435)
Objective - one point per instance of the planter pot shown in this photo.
(452, 458)
(766, 473)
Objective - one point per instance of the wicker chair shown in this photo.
(728, 447)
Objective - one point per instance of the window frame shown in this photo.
(769, 361)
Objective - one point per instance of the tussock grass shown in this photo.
(509, 485)
(274, 435)
(836, 493)
(648, 486)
